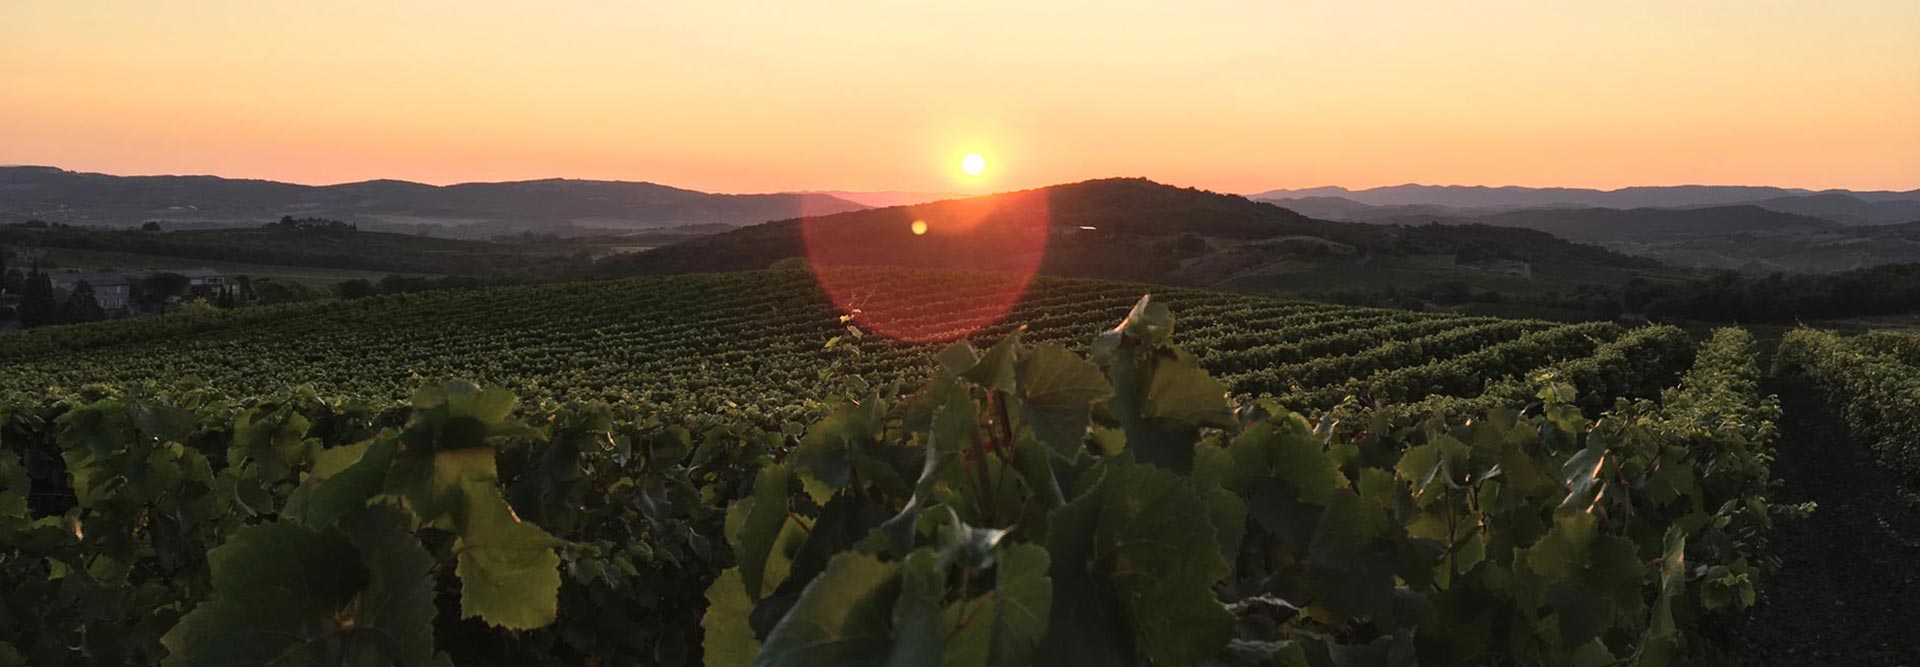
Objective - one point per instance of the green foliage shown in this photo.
(1026, 505)
(1869, 384)
(196, 530)
(1180, 535)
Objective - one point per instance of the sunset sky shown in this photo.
(884, 95)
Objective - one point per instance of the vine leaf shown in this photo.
(761, 519)
(1139, 540)
(995, 369)
(842, 617)
(1059, 389)
(509, 573)
(729, 638)
(278, 590)
(1022, 604)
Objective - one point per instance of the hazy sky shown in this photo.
(749, 97)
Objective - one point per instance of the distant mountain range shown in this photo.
(1844, 206)
(564, 206)
(1755, 236)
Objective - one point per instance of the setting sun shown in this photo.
(973, 164)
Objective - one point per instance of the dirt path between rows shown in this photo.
(1848, 591)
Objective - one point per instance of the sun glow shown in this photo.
(973, 164)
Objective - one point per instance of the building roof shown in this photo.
(94, 278)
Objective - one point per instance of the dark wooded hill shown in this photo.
(1119, 228)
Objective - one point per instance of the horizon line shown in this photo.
(830, 190)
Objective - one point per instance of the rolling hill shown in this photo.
(1138, 230)
(1513, 197)
(479, 209)
(1755, 237)
(295, 245)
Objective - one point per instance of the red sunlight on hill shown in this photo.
(1003, 238)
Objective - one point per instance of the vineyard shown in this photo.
(732, 469)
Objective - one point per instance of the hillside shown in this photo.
(1514, 197)
(1823, 232)
(644, 442)
(1121, 228)
(1604, 225)
(755, 341)
(1846, 208)
(477, 209)
(306, 244)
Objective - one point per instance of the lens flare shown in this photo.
(978, 254)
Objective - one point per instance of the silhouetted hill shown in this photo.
(1121, 228)
(1601, 225)
(1845, 208)
(323, 244)
(1347, 210)
(57, 195)
(1514, 197)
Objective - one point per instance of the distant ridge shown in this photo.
(1858, 207)
(555, 204)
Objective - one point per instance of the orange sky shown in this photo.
(739, 97)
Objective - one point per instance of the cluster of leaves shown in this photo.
(1874, 390)
(182, 528)
(1028, 506)
(1902, 345)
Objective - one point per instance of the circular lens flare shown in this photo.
(973, 164)
(934, 272)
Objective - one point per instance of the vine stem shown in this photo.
(1453, 540)
(975, 611)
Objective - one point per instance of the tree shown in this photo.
(36, 299)
(355, 289)
(226, 298)
(6, 274)
(81, 306)
(151, 226)
(155, 289)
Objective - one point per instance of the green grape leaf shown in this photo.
(273, 439)
(994, 370)
(958, 357)
(332, 495)
(1673, 582)
(844, 616)
(1584, 476)
(1022, 604)
(970, 642)
(729, 638)
(398, 603)
(1058, 390)
(278, 592)
(509, 573)
(1182, 391)
(919, 627)
(828, 448)
(1153, 553)
(763, 517)
(1149, 323)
